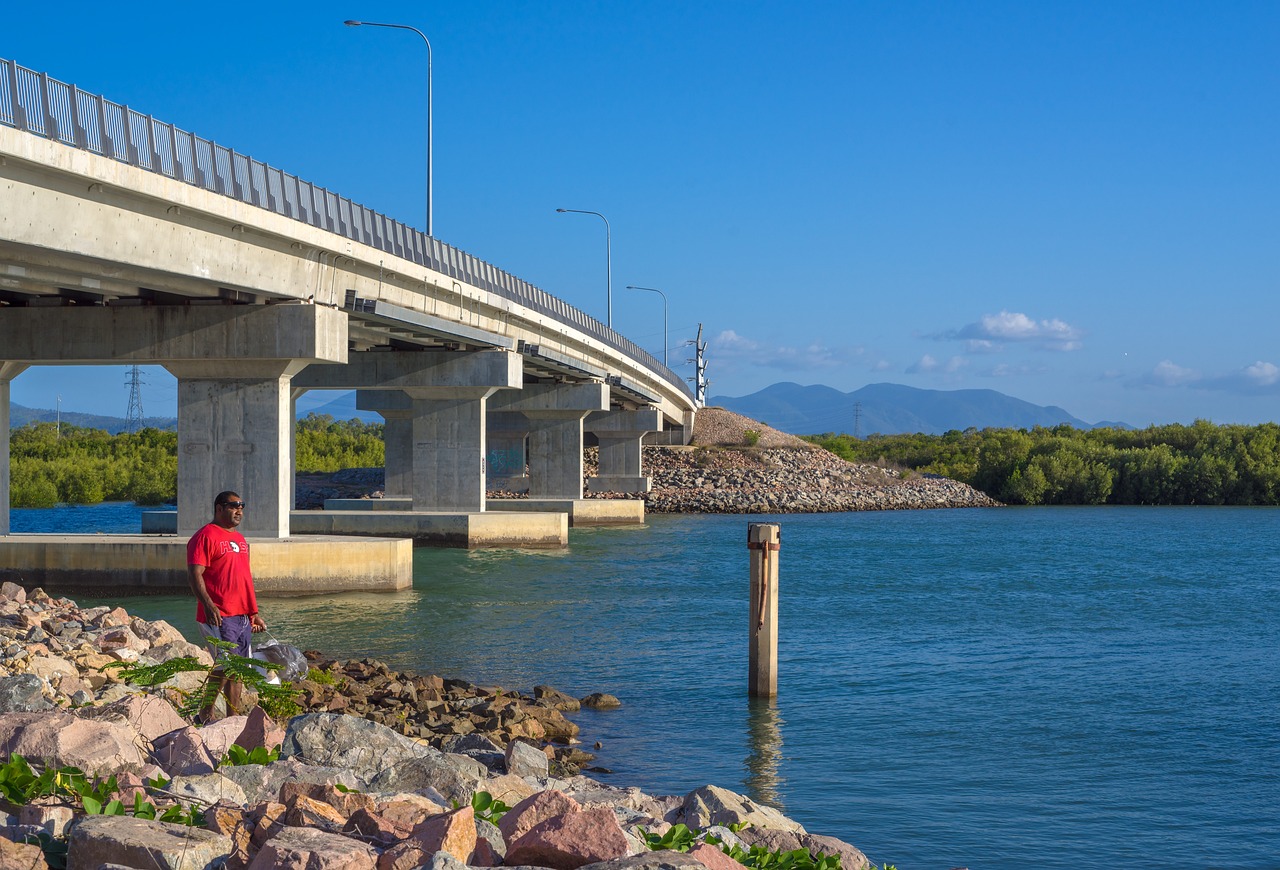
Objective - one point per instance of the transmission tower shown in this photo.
(699, 361)
(857, 421)
(133, 416)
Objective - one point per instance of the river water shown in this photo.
(1015, 687)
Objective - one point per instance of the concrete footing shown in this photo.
(581, 511)
(146, 565)
(441, 529)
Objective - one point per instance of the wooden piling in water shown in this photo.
(764, 541)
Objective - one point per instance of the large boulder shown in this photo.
(712, 805)
(456, 777)
(182, 752)
(333, 740)
(530, 812)
(146, 715)
(132, 842)
(207, 788)
(569, 841)
(63, 739)
(23, 693)
(314, 850)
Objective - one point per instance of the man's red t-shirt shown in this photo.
(224, 553)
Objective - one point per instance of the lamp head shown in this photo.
(353, 23)
(562, 210)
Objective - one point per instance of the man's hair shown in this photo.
(222, 497)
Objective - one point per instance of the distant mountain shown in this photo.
(20, 416)
(891, 409)
(341, 407)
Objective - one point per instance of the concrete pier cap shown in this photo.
(621, 436)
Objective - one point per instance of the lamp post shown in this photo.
(665, 340)
(608, 258)
(429, 131)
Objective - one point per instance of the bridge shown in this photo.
(125, 240)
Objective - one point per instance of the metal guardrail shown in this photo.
(35, 103)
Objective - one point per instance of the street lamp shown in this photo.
(428, 42)
(608, 257)
(665, 340)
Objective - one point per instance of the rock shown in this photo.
(264, 783)
(309, 849)
(21, 855)
(553, 722)
(260, 731)
(147, 715)
(221, 734)
(712, 805)
(345, 802)
(64, 739)
(463, 743)
(850, 857)
(177, 649)
(52, 668)
(456, 777)
(453, 832)
(661, 860)
(13, 592)
(306, 812)
(489, 845)
(508, 788)
(713, 859)
(364, 747)
(523, 759)
(23, 693)
(132, 842)
(527, 814)
(556, 698)
(48, 814)
(601, 701)
(157, 633)
(569, 841)
(182, 753)
(208, 788)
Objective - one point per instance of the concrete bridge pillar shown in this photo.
(505, 434)
(397, 438)
(554, 413)
(235, 432)
(444, 394)
(8, 371)
(621, 435)
(448, 447)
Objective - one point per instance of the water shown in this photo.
(1041, 687)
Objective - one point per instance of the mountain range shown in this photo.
(887, 409)
(891, 409)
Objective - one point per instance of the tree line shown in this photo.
(1175, 464)
(65, 464)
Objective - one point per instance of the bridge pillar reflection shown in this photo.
(554, 415)
(621, 436)
(8, 371)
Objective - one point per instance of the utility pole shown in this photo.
(699, 361)
(57, 426)
(133, 416)
(857, 421)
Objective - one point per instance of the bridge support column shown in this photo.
(448, 447)
(8, 371)
(235, 432)
(555, 413)
(505, 434)
(621, 435)
(397, 438)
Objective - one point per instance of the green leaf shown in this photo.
(115, 808)
(91, 806)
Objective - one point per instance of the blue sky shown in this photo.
(1074, 203)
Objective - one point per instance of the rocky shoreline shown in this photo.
(380, 769)
(734, 465)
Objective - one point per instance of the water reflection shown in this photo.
(763, 781)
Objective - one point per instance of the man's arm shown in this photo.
(195, 576)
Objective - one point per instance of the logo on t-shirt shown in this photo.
(235, 548)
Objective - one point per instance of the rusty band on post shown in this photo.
(766, 547)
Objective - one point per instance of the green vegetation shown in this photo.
(1162, 465)
(237, 756)
(682, 838)
(74, 465)
(751, 437)
(277, 700)
(20, 784)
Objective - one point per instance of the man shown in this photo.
(218, 570)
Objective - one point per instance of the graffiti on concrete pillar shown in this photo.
(506, 461)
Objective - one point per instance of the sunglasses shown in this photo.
(234, 505)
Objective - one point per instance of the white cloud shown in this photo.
(1263, 374)
(992, 331)
(731, 347)
(925, 364)
(1169, 374)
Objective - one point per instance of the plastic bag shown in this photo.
(293, 662)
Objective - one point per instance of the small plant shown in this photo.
(681, 838)
(324, 678)
(751, 437)
(486, 807)
(238, 756)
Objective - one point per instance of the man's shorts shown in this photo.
(234, 629)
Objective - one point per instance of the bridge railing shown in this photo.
(34, 102)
